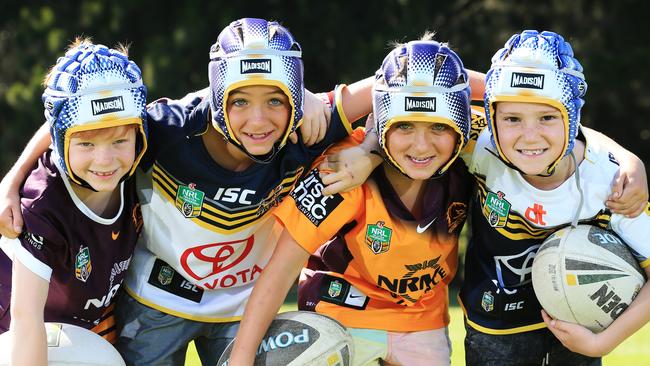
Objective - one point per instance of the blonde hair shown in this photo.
(108, 132)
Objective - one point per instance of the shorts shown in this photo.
(380, 347)
(538, 347)
(147, 336)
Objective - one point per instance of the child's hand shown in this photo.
(11, 219)
(345, 170)
(629, 189)
(316, 118)
(575, 337)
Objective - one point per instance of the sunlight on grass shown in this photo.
(634, 351)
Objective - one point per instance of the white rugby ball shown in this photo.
(69, 344)
(586, 275)
(302, 338)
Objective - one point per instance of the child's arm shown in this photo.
(630, 187)
(268, 294)
(11, 220)
(581, 340)
(28, 296)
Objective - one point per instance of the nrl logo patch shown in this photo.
(496, 209)
(487, 302)
(378, 237)
(335, 288)
(255, 66)
(526, 80)
(189, 200)
(419, 104)
(82, 264)
(165, 275)
(107, 105)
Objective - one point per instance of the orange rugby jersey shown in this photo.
(373, 264)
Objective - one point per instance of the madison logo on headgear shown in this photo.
(420, 104)
(526, 80)
(310, 200)
(258, 65)
(107, 105)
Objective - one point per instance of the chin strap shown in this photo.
(574, 222)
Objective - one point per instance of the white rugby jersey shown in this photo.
(511, 219)
(207, 232)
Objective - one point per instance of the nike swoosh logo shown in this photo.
(114, 235)
(356, 296)
(420, 229)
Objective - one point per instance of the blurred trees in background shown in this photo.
(341, 43)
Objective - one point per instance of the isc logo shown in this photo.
(238, 195)
(514, 306)
(310, 200)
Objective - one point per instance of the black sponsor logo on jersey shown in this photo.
(526, 80)
(35, 240)
(255, 66)
(338, 291)
(107, 105)
(310, 200)
(413, 282)
(420, 104)
(167, 279)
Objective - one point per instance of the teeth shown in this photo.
(104, 174)
(532, 152)
(258, 135)
(420, 160)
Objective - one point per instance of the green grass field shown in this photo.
(634, 351)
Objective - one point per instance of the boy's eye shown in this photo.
(239, 102)
(550, 117)
(439, 127)
(403, 126)
(511, 119)
(276, 102)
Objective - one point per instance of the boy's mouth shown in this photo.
(531, 152)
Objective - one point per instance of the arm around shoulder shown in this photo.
(268, 295)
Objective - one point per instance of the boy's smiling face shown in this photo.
(102, 157)
(258, 117)
(530, 135)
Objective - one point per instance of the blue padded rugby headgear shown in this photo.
(255, 52)
(422, 81)
(93, 87)
(537, 67)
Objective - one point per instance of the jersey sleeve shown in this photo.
(339, 126)
(170, 120)
(311, 218)
(39, 247)
(634, 231)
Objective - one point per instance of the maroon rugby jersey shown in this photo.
(87, 255)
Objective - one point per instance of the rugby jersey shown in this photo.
(510, 220)
(207, 232)
(379, 267)
(82, 255)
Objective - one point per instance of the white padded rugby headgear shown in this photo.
(422, 81)
(255, 52)
(93, 87)
(537, 67)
